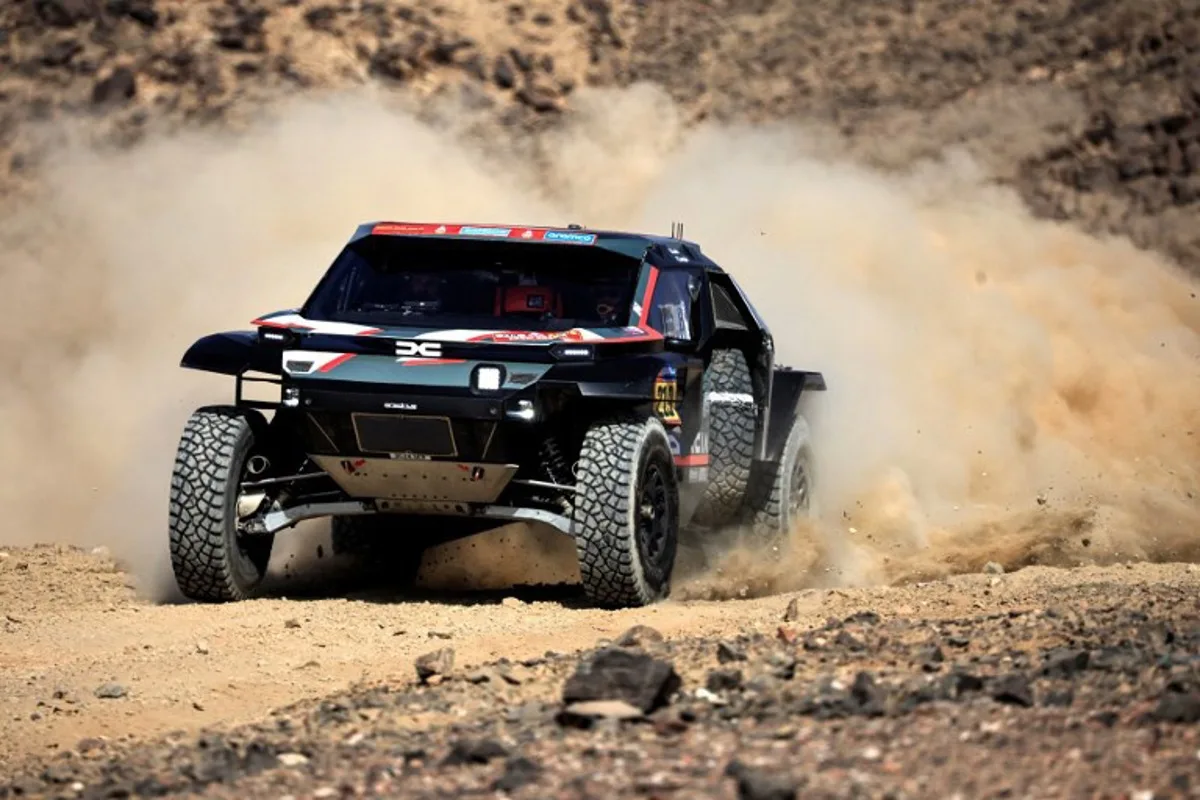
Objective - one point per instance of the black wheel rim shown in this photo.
(655, 519)
(798, 487)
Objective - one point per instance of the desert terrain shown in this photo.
(980, 221)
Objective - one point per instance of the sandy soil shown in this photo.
(73, 628)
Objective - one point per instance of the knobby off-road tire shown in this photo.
(626, 556)
(728, 389)
(211, 562)
(780, 494)
(383, 547)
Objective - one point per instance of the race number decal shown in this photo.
(666, 396)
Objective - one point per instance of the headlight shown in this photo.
(488, 378)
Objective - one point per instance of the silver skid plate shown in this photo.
(432, 482)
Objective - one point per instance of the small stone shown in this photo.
(792, 612)
(292, 759)
(292, 623)
(440, 635)
(120, 86)
(512, 602)
(638, 636)
(727, 653)
(110, 691)
(202, 647)
(993, 568)
(723, 680)
(474, 751)
(518, 771)
(872, 753)
(1013, 689)
(613, 674)
(435, 664)
(757, 784)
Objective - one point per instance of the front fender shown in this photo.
(231, 353)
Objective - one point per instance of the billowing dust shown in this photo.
(999, 388)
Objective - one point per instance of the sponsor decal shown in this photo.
(521, 378)
(470, 230)
(573, 335)
(440, 229)
(476, 474)
(406, 456)
(570, 236)
(351, 466)
(411, 348)
(400, 229)
(676, 444)
(400, 406)
(666, 396)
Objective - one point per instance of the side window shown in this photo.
(672, 308)
(726, 312)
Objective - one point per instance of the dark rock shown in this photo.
(727, 653)
(720, 680)
(1013, 689)
(446, 51)
(110, 691)
(503, 74)
(391, 62)
(518, 772)
(118, 88)
(141, 11)
(868, 696)
(474, 751)
(783, 665)
(638, 636)
(610, 674)
(59, 54)
(1062, 663)
(523, 60)
(862, 618)
(958, 641)
(65, 13)
(848, 640)
(438, 662)
(1177, 707)
(757, 784)
(321, 18)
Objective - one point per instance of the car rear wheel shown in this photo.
(780, 495)
(626, 512)
(212, 560)
(729, 395)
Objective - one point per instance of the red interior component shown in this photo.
(528, 300)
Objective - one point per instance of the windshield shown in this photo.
(466, 284)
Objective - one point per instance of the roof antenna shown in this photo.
(676, 230)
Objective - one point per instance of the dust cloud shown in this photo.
(1000, 388)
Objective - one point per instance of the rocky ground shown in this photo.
(1040, 683)
(1091, 109)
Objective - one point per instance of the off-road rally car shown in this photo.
(444, 379)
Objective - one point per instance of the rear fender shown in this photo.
(787, 387)
(232, 353)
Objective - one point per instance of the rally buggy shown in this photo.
(443, 379)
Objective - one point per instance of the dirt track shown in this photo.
(183, 669)
(982, 361)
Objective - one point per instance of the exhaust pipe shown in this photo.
(257, 465)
